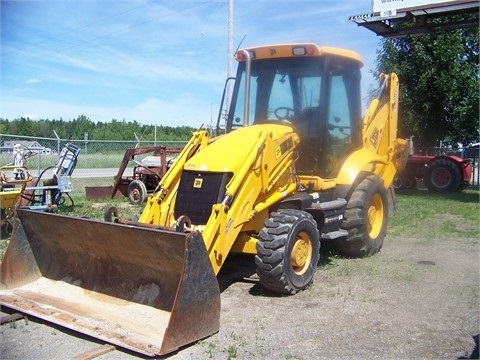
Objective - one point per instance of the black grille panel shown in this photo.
(197, 192)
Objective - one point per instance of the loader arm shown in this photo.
(265, 177)
(152, 213)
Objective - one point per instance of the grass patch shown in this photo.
(423, 214)
(96, 209)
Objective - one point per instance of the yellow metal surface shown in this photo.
(360, 160)
(316, 183)
(301, 254)
(286, 50)
(245, 244)
(8, 198)
(375, 216)
(11, 189)
(258, 183)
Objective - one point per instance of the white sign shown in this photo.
(388, 13)
(399, 5)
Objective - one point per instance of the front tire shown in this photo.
(137, 192)
(288, 251)
(365, 219)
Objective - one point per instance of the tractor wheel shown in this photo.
(442, 175)
(288, 251)
(366, 218)
(399, 182)
(137, 192)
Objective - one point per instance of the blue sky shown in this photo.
(157, 62)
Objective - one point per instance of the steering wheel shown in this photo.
(284, 113)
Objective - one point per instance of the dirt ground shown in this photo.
(416, 299)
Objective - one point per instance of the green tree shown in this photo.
(439, 88)
(75, 129)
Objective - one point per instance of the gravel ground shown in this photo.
(416, 299)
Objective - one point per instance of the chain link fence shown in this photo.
(97, 162)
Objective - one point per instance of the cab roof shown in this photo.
(297, 50)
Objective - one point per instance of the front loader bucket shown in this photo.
(144, 289)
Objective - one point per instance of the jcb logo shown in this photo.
(197, 183)
(278, 152)
(374, 137)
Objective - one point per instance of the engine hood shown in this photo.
(229, 151)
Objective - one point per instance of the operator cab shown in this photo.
(314, 90)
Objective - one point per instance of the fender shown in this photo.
(464, 165)
(358, 165)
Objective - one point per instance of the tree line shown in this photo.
(77, 128)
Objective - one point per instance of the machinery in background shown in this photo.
(48, 192)
(11, 190)
(146, 174)
(19, 189)
(444, 173)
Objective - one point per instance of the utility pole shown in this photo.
(230, 53)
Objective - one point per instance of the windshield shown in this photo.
(318, 96)
(279, 90)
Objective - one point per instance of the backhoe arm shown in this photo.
(380, 128)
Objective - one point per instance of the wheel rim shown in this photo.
(375, 216)
(135, 194)
(301, 254)
(398, 182)
(441, 177)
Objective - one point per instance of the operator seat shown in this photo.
(314, 141)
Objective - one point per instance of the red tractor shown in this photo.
(445, 173)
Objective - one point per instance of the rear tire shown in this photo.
(137, 192)
(365, 219)
(288, 251)
(443, 175)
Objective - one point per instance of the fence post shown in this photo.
(58, 141)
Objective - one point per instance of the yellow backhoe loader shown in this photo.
(293, 165)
